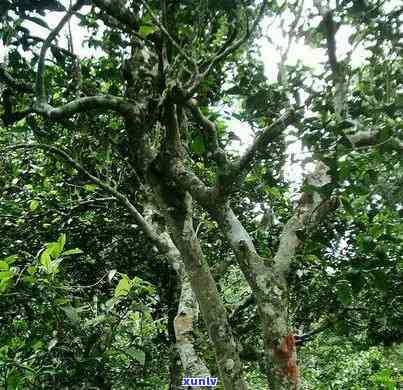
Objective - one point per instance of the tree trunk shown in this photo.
(279, 341)
(179, 216)
(270, 290)
(187, 310)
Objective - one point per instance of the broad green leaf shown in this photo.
(347, 205)
(139, 355)
(5, 280)
(33, 205)
(72, 314)
(145, 30)
(95, 321)
(45, 259)
(61, 241)
(62, 301)
(6, 275)
(70, 252)
(11, 259)
(37, 345)
(123, 287)
(344, 292)
(53, 248)
(54, 266)
(312, 258)
(346, 124)
(4, 265)
(31, 269)
(29, 279)
(90, 187)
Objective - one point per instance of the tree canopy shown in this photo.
(143, 244)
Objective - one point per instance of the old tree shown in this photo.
(137, 142)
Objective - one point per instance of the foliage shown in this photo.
(337, 363)
(89, 299)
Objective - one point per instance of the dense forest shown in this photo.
(186, 203)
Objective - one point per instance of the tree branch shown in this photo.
(222, 53)
(310, 207)
(36, 39)
(118, 10)
(338, 76)
(187, 180)
(171, 39)
(40, 85)
(301, 339)
(101, 183)
(110, 102)
(369, 138)
(229, 181)
(263, 139)
(209, 132)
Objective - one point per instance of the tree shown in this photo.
(164, 67)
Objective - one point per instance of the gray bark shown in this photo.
(178, 211)
(188, 308)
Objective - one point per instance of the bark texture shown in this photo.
(179, 217)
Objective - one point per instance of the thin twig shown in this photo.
(40, 83)
(118, 195)
(222, 54)
(169, 36)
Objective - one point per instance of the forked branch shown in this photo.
(224, 52)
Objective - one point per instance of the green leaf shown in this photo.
(4, 265)
(53, 248)
(344, 292)
(198, 145)
(62, 301)
(61, 241)
(5, 280)
(139, 355)
(6, 275)
(343, 125)
(312, 258)
(90, 187)
(347, 206)
(54, 266)
(45, 258)
(11, 259)
(145, 30)
(95, 321)
(124, 286)
(72, 314)
(33, 205)
(37, 345)
(70, 252)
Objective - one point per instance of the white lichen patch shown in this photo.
(277, 291)
(229, 364)
(268, 309)
(261, 283)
